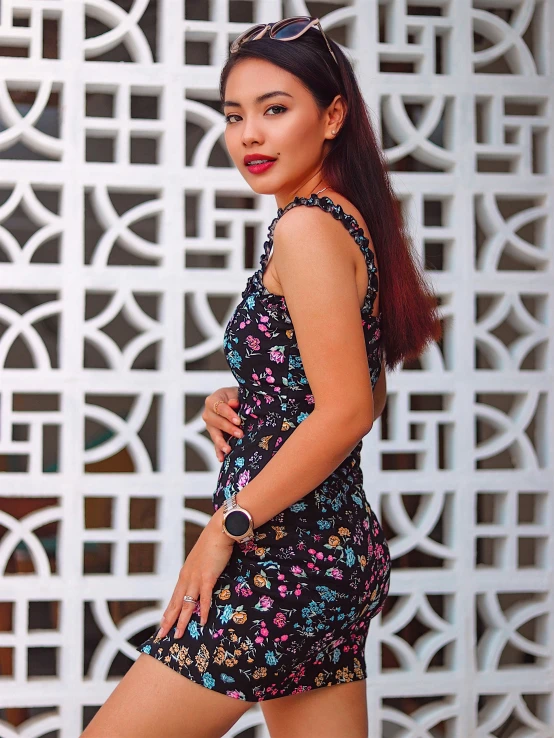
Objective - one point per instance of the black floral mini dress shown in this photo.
(291, 610)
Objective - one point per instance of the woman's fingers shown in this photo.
(225, 421)
(186, 611)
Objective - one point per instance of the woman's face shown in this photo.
(285, 125)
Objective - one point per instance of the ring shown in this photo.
(188, 598)
(216, 403)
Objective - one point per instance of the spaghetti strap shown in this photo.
(351, 225)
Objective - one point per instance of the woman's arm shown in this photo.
(316, 269)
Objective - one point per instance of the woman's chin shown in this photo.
(260, 189)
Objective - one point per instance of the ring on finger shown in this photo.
(216, 403)
(188, 598)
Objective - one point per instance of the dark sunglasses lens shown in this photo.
(290, 30)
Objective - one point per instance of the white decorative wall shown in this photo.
(126, 237)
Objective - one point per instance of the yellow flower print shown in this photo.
(260, 580)
(260, 551)
(334, 541)
(202, 658)
(239, 617)
(225, 594)
(260, 673)
(344, 532)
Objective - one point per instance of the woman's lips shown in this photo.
(259, 168)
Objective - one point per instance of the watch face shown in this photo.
(237, 523)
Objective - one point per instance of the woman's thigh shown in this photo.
(325, 712)
(154, 700)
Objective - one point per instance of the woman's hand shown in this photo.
(224, 421)
(198, 575)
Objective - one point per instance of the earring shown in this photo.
(333, 131)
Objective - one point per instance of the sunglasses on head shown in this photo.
(284, 30)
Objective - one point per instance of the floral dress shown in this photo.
(291, 610)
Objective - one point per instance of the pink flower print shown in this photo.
(280, 619)
(330, 558)
(259, 639)
(253, 343)
(262, 327)
(282, 588)
(270, 380)
(266, 602)
(264, 632)
(319, 555)
(264, 319)
(244, 478)
(310, 399)
(311, 550)
(250, 545)
(284, 637)
(336, 573)
(296, 569)
(280, 576)
(311, 565)
(277, 355)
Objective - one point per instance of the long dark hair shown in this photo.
(356, 167)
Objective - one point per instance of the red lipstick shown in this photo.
(258, 163)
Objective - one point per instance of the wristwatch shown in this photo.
(237, 522)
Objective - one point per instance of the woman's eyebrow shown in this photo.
(259, 99)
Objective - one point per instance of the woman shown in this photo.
(275, 599)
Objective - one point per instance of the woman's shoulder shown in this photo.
(313, 221)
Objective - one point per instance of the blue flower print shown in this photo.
(208, 680)
(193, 629)
(350, 556)
(235, 359)
(226, 614)
(270, 658)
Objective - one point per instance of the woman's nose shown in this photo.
(251, 134)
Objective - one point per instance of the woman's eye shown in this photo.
(231, 115)
(279, 108)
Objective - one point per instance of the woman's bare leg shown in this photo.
(154, 700)
(325, 712)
